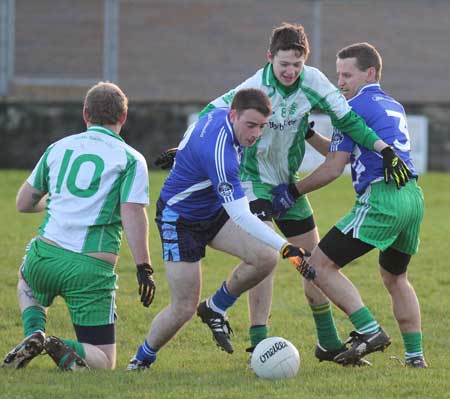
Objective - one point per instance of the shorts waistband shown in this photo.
(412, 182)
(67, 254)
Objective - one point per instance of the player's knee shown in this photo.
(109, 364)
(397, 284)
(109, 360)
(325, 268)
(185, 310)
(267, 259)
(264, 258)
(393, 282)
(102, 357)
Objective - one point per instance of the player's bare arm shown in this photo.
(30, 199)
(319, 143)
(331, 169)
(135, 224)
(285, 195)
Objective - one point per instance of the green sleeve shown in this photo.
(41, 173)
(205, 110)
(355, 127)
(222, 101)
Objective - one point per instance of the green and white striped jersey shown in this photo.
(277, 155)
(87, 176)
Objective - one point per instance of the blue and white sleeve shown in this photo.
(341, 142)
(223, 170)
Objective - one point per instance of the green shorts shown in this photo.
(256, 190)
(87, 284)
(387, 217)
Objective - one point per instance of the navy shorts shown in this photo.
(185, 240)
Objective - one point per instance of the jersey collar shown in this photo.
(269, 79)
(104, 130)
(368, 87)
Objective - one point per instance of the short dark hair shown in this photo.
(105, 103)
(366, 56)
(289, 37)
(252, 99)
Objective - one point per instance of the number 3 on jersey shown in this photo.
(403, 128)
(77, 164)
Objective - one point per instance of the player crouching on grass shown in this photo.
(90, 185)
(202, 203)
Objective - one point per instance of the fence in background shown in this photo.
(10, 75)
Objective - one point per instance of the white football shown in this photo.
(275, 358)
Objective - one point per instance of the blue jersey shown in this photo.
(206, 170)
(387, 118)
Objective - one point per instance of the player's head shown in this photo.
(289, 37)
(357, 65)
(250, 111)
(288, 52)
(105, 104)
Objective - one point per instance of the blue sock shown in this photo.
(222, 300)
(146, 353)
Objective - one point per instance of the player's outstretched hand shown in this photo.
(284, 197)
(146, 283)
(166, 159)
(395, 168)
(297, 256)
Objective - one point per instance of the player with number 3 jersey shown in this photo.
(383, 217)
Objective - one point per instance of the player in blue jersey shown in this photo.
(383, 216)
(295, 89)
(202, 203)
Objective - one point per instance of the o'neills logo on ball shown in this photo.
(277, 346)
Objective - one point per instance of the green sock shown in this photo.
(413, 344)
(257, 334)
(364, 321)
(76, 346)
(327, 333)
(33, 319)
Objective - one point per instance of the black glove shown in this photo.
(146, 283)
(297, 257)
(284, 197)
(310, 132)
(394, 168)
(166, 159)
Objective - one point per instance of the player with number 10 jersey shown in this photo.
(72, 169)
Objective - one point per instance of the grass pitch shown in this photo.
(192, 366)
